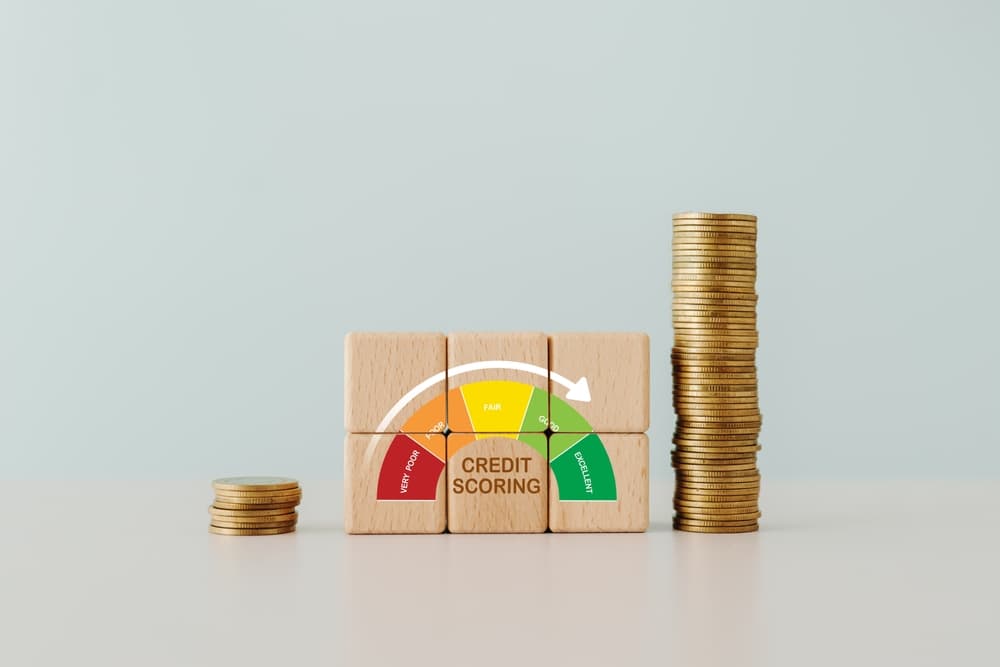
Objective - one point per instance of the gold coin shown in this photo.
(681, 243)
(694, 316)
(681, 355)
(710, 440)
(251, 525)
(746, 311)
(712, 266)
(695, 227)
(710, 523)
(719, 499)
(255, 483)
(716, 388)
(686, 425)
(705, 215)
(699, 335)
(251, 531)
(744, 487)
(721, 433)
(717, 345)
(688, 528)
(732, 302)
(682, 378)
(689, 231)
(709, 454)
(714, 255)
(742, 275)
(719, 421)
(729, 379)
(702, 423)
(701, 403)
(220, 519)
(748, 381)
(225, 505)
(680, 247)
(281, 511)
(697, 432)
(689, 413)
(715, 326)
(259, 494)
(687, 482)
(708, 463)
(710, 457)
(682, 492)
(708, 366)
(685, 476)
(722, 451)
(686, 516)
(685, 285)
(746, 505)
(709, 252)
(682, 488)
(714, 226)
(747, 270)
(720, 469)
(708, 509)
(708, 314)
(256, 500)
(715, 299)
(746, 328)
(708, 468)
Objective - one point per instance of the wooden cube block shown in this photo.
(598, 482)
(394, 483)
(379, 370)
(616, 368)
(508, 395)
(497, 483)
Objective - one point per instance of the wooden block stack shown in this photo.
(489, 433)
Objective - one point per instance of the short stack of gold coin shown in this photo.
(715, 376)
(254, 506)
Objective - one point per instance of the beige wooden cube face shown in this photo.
(528, 348)
(380, 368)
(629, 512)
(394, 483)
(616, 366)
(497, 484)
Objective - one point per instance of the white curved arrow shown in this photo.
(578, 391)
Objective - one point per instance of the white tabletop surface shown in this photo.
(872, 573)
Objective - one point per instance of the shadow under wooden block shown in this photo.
(510, 394)
(380, 368)
(497, 483)
(394, 483)
(598, 482)
(616, 366)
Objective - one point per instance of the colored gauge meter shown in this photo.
(578, 460)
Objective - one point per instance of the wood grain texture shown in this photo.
(616, 366)
(379, 368)
(484, 499)
(528, 347)
(364, 514)
(629, 454)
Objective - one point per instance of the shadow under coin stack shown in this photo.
(715, 378)
(254, 506)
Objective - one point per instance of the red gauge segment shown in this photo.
(409, 471)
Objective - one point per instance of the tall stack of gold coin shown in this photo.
(715, 376)
(254, 506)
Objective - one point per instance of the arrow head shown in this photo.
(579, 391)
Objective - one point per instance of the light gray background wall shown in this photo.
(198, 199)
